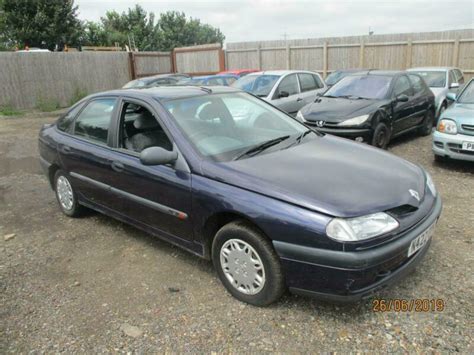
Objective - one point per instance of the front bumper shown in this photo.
(450, 145)
(351, 276)
(351, 133)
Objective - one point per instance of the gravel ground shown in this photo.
(97, 285)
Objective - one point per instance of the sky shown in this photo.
(293, 19)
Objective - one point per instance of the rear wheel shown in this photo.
(67, 198)
(427, 125)
(247, 264)
(381, 136)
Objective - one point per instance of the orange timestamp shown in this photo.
(409, 305)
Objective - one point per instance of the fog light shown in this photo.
(359, 139)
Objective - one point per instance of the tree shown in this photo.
(41, 23)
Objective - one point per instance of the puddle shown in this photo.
(24, 165)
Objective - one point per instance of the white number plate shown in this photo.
(468, 146)
(421, 240)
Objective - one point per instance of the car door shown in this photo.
(402, 111)
(421, 99)
(85, 151)
(310, 86)
(157, 197)
(287, 95)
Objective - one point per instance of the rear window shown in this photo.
(434, 79)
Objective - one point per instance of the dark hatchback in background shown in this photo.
(228, 177)
(158, 80)
(338, 75)
(373, 107)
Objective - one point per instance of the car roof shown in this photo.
(351, 70)
(215, 76)
(170, 92)
(279, 72)
(385, 72)
(432, 68)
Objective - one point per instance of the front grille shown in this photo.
(468, 127)
(457, 148)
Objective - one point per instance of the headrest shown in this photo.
(210, 112)
(145, 121)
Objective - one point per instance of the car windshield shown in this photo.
(222, 127)
(259, 85)
(434, 79)
(467, 95)
(367, 87)
(134, 84)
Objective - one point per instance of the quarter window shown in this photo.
(94, 121)
(65, 122)
(289, 84)
(402, 87)
(307, 82)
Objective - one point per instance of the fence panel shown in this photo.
(199, 60)
(151, 63)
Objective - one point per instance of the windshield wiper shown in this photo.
(300, 138)
(261, 147)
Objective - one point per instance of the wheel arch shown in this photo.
(51, 172)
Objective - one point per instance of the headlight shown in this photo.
(360, 228)
(430, 184)
(354, 121)
(299, 117)
(447, 126)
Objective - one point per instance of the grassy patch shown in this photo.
(78, 95)
(8, 110)
(47, 105)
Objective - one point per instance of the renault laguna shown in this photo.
(228, 177)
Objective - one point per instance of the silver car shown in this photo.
(289, 90)
(441, 80)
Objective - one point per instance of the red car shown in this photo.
(239, 72)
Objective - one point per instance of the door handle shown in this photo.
(299, 99)
(65, 149)
(117, 166)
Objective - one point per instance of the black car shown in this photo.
(373, 107)
(158, 80)
(338, 75)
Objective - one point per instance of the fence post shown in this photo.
(221, 60)
(131, 64)
(409, 53)
(361, 53)
(259, 57)
(456, 53)
(325, 59)
(288, 56)
(173, 61)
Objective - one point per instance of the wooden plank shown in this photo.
(325, 60)
(456, 53)
(409, 54)
(361, 54)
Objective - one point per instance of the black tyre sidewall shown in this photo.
(378, 128)
(274, 280)
(76, 208)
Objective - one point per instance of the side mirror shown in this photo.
(157, 156)
(454, 86)
(283, 94)
(402, 98)
(451, 96)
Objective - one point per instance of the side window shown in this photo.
(402, 87)
(418, 85)
(65, 122)
(94, 121)
(289, 84)
(452, 78)
(460, 77)
(139, 129)
(318, 81)
(307, 82)
(230, 80)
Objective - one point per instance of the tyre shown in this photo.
(427, 125)
(66, 196)
(247, 264)
(381, 136)
(439, 158)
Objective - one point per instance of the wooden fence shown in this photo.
(199, 60)
(324, 55)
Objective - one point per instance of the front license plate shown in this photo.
(468, 146)
(421, 240)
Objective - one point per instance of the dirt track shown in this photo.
(96, 285)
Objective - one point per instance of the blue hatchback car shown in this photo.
(230, 178)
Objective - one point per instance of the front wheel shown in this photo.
(247, 264)
(381, 136)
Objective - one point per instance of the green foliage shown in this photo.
(41, 23)
(47, 105)
(78, 94)
(8, 110)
